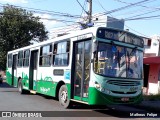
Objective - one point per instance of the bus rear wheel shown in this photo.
(63, 97)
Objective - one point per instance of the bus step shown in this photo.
(32, 91)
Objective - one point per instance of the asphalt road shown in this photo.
(12, 100)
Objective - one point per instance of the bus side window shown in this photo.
(26, 58)
(61, 53)
(20, 59)
(55, 49)
(9, 60)
(45, 56)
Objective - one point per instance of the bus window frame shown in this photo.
(20, 66)
(120, 46)
(26, 58)
(9, 65)
(68, 53)
(117, 40)
(48, 54)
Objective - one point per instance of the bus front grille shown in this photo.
(118, 92)
(123, 83)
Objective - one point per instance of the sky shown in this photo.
(134, 14)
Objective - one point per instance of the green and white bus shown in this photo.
(94, 66)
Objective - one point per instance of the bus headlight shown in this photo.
(97, 85)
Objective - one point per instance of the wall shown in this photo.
(153, 79)
(154, 48)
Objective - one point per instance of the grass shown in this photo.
(152, 97)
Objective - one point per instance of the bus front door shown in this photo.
(82, 58)
(14, 71)
(33, 70)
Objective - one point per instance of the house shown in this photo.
(152, 65)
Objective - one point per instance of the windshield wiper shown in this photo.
(118, 59)
(129, 57)
(133, 50)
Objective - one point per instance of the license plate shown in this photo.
(124, 99)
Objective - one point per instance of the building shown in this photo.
(152, 65)
(107, 21)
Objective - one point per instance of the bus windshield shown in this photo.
(118, 61)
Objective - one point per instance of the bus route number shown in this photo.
(82, 37)
(111, 35)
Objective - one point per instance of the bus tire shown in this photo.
(20, 87)
(63, 97)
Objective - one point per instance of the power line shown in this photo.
(84, 4)
(42, 11)
(142, 18)
(45, 11)
(138, 4)
(142, 14)
(49, 19)
(124, 7)
(137, 31)
(89, 14)
(129, 18)
(124, 19)
(137, 11)
(38, 17)
(82, 7)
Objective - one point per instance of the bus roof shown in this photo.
(92, 30)
(72, 34)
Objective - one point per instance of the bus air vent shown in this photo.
(123, 83)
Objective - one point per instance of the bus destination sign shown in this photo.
(122, 36)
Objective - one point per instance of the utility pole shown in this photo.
(89, 16)
(89, 11)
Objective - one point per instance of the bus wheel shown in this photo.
(20, 87)
(63, 97)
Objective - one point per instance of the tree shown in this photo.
(18, 28)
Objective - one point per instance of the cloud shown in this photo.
(48, 23)
(14, 1)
